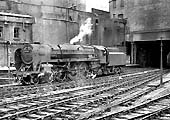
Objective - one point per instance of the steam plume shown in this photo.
(85, 29)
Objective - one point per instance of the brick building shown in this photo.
(149, 23)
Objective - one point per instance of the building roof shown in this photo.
(15, 15)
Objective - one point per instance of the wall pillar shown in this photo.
(133, 53)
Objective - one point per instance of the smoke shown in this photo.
(85, 29)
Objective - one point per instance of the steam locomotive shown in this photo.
(38, 63)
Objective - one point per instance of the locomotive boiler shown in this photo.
(37, 63)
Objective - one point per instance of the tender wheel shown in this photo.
(117, 70)
(110, 70)
(99, 72)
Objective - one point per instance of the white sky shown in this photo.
(98, 4)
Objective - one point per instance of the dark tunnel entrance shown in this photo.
(148, 53)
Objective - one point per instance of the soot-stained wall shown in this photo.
(56, 21)
(148, 21)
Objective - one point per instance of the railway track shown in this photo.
(155, 109)
(162, 107)
(135, 107)
(71, 103)
(10, 90)
(15, 90)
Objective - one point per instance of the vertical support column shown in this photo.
(124, 32)
(67, 24)
(135, 51)
(8, 57)
(161, 63)
(24, 30)
(7, 53)
(132, 53)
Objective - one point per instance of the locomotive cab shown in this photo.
(101, 53)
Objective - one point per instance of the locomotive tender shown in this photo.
(37, 63)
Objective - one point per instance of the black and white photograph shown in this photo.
(84, 60)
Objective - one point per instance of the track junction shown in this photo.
(109, 97)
